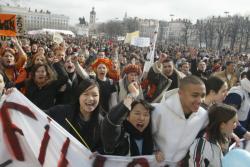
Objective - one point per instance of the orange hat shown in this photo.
(132, 68)
(104, 61)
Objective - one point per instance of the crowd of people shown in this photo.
(186, 110)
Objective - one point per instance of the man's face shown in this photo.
(34, 48)
(202, 66)
(185, 68)
(168, 68)
(230, 68)
(101, 55)
(191, 96)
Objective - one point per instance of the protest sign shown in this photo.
(140, 41)
(7, 25)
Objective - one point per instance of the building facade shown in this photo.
(147, 27)
(34, 20)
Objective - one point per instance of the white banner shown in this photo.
(140, 41)
(120, 38)
(29, 138)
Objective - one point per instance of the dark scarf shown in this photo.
(146, 136)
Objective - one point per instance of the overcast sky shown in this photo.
(154, 9)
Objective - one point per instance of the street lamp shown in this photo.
(227, 13)
(172, 16)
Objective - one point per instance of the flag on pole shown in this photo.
(150, 55)
(130, 36)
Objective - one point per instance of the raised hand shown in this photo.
(74, 59)
(163, 56)
(14, 40)
(133, 89)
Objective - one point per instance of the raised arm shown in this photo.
(111, 129)
(22, 58)
(79, 69)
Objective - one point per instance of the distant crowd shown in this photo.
(186, 109)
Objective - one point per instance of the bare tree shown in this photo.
(112, 28)
(186, 31)
(131, 24)
(247, 32)
(242, 32)
(234, 30)
(209, 32)
(200, 31)
(221, 30)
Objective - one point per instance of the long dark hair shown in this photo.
(219, 113)
(82, 87)
(147, 148)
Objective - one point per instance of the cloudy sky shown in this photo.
(154, 9)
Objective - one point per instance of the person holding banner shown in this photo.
(209, 149)
(82, 119)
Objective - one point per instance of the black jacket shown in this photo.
(118, 135)
(68, 96)
(45, 97)
(202, 75)
(89, 130)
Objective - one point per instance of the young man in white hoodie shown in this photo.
(178, 119)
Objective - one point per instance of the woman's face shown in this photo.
(228, 127)
(69, 66)
(2, 84)
(132, 77)
(41, 75)
(89, 100)
(221, 95)
(81, 58)
(8, 59)
(41, 50)
(139, 117)
(60, 55)
(101, 70)
(40, 60)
